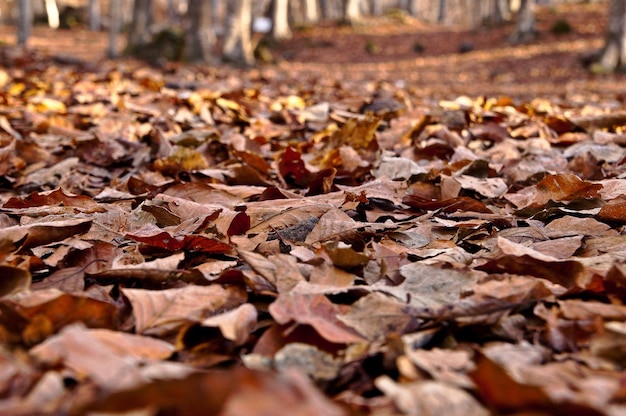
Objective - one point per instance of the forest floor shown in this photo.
(357, 228)
(383, 50)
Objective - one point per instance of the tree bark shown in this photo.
(441, 12)
(200, 35)
(95, 15)
(311, 14)
(115, 15)
(525, 23)
(139, 33)
(376, 7)
(331, 9)
(238, 40)
(280, 20)
(52, 11)
(613, 55)
(25, 21)
(352, 13)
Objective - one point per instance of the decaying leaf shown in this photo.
(338, 240)
(161, 312)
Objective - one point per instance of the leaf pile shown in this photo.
(197, 241)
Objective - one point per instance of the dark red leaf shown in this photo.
(168, 242)
(291, 167)
(239, 225)
(461, 203)
(56, 197)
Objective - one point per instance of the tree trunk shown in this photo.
(376, 7)
(25, 21)
(115, 15)
(52, 11)
(352, 13)
(525, 23)
(613, 55)
(140, 28)
(238, 40)
(200, 35)
(413, 8)
(311, 14)
(331, 9)
(280, 20)
(95, 15)
(441, 12)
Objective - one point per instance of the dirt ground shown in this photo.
(384, 50)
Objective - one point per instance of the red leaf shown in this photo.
(292, 168)
(152, 236)
(239, 225)
(56, 197)
(322, 182)
(461, 203)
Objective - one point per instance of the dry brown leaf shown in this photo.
(430, 398)
(14, 279)
(164, 311)
(314, 310)
(119, 356)
(236, 324)
(44, 312)
(376, 316)
(236, 392)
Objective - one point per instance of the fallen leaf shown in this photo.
(314, 310)
(161, 312)
(430, 398)
(236, 324)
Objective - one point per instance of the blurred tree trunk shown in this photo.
(238, 39)
(331, 9)
(311, 14)
(25, 21)
(280, 20)
(115, 26)
(413, 7)
(376, 7)
(525, 23)
(352, 11)
(613, 55)
(52, 11)
(441, 11)
(95, 15)
(200, 34)
(139, 34)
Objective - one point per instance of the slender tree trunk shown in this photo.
(238, 40)
(441, 12)
(52, 11)
(352, 13)
(115, 15)
(376, 7)
(613, 55)
(413, 8)
(280, 20)
(140, 28)
(311, 12)
(25, 21)
(95, 15)
(200, 35)
(331, 9)
(525, 23)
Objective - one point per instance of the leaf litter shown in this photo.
(218, 247)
